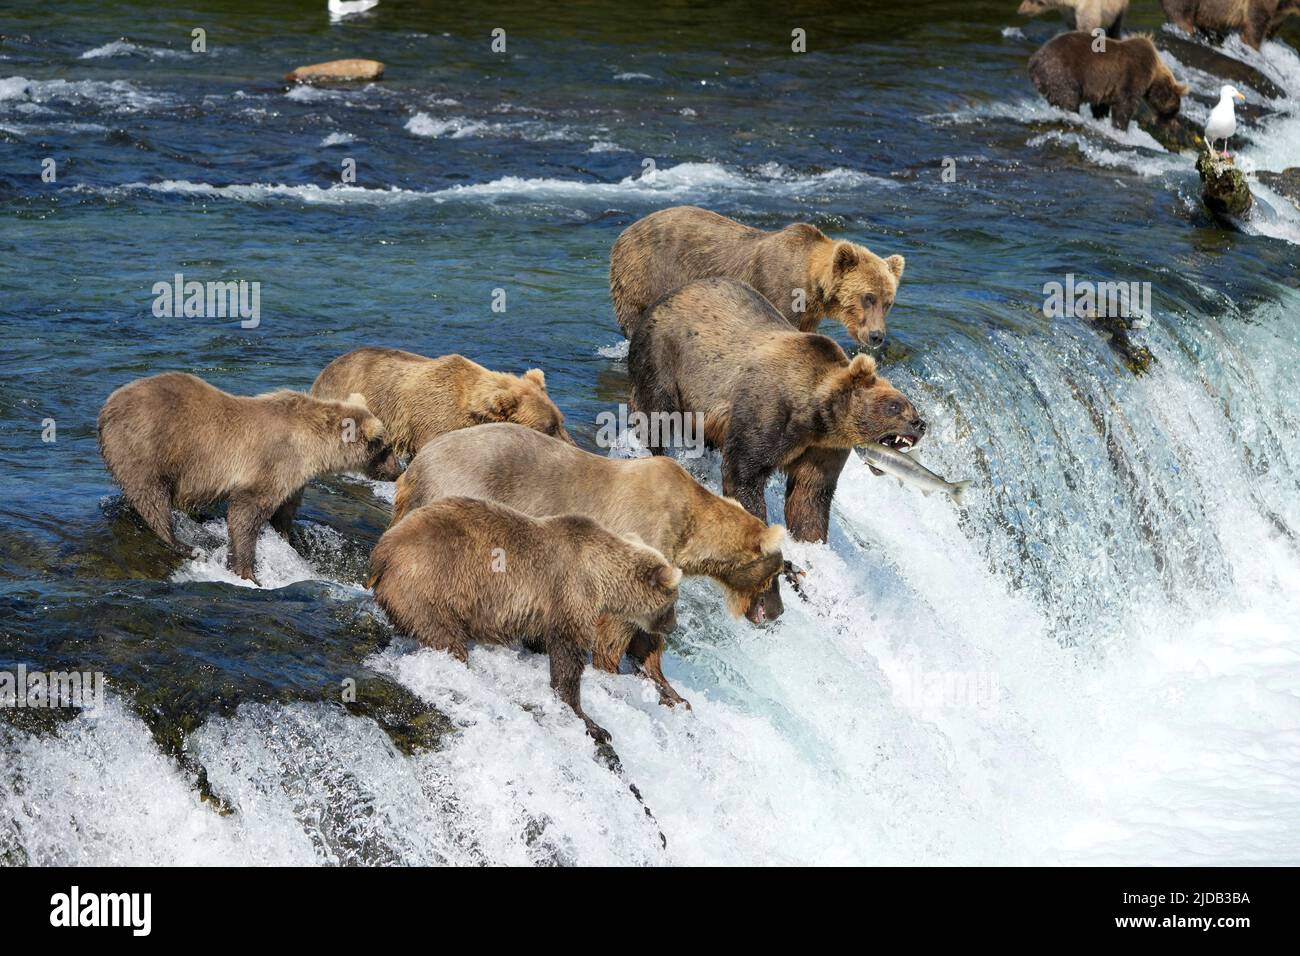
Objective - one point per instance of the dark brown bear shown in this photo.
(1257, 20)
(773, 398)
(1069, 73)
(461, 569)
(174, 441)
(652, 498)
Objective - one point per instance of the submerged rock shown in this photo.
(337, 71)
(1200, 57)
(1286, 183)
(1224, 188)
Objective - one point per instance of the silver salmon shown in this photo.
(905, 469)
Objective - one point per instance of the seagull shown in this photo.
(1222, 123)
(346, 8)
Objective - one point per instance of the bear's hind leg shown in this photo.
(810, 482)
(153, 503)
(283, 517)
(648, 652)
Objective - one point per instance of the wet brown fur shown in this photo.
(774, 399)
(174, 441)
(669, 248)
(1069, 73)
(420, 398)
(652, 498)
(1257, 20)
(461, 569)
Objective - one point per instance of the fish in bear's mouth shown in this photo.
(900, 443)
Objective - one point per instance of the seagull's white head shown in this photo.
(1229, 92)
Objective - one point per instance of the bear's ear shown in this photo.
(356, 398)
(770, 541)
(665, 577)
(499, 405)
(862, 371)
(895, 264)
(372, 429)
(845, 258)
(537, 377)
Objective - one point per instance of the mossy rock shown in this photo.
(1224, 188)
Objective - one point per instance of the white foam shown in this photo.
(127, 48)
(687, 180)
(277, 563)
(119, 96)
(338, 139)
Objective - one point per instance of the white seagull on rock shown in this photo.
(1222, 123)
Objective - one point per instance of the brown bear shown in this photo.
(773, 398)
(652, 498)
(806, 275)
(461, 569)
(1257, 20)
(173, 440)
(1069, 73)
(1082, 15)
(419, 398)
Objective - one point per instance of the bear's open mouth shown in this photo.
(901, 443)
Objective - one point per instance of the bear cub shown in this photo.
(174, 441)
(419, 398)
(461, 569)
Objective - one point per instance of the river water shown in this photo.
(1098, 660)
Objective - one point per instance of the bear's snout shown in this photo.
(384, 467)
(919, 426)
(766, 605)
(876, 338)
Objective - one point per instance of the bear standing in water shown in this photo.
(461, 569)
(653, 498)
(773, 398)
(1082, 15)
(804, 274)
(1256, 19)
(173, 440)
(1069, 72)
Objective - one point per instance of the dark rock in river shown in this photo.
(1224, 188)
(1203, 58)
(1287, 182)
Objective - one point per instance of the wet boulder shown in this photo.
(1285, 183)
(1223, 186)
